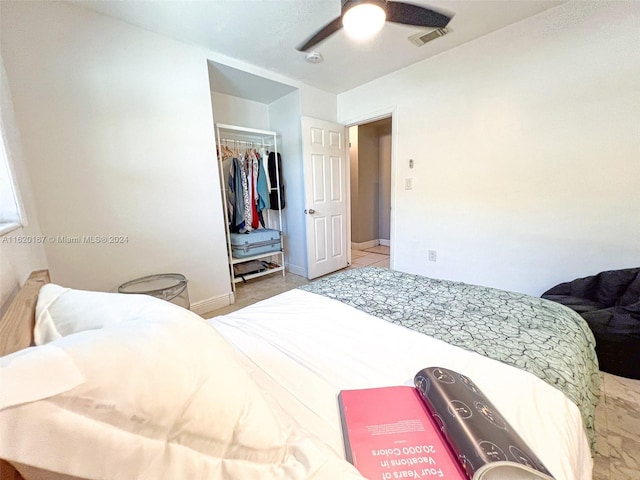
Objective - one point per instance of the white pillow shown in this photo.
(62, 311)
(28, 363)
(162, 398)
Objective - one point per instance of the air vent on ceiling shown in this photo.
(420, 38)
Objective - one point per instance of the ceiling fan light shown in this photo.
(363, 20)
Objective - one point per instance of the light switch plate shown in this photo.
(408, 183)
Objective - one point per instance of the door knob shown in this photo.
(311, 211)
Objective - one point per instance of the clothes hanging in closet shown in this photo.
(247, 191)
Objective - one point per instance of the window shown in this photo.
(10, 211)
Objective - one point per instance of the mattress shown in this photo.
(303, 348)
(551, 342)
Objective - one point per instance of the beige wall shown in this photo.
(125, 145)
(353, 183)
(370, 163)
(21, 250)
(384, 176)
(526, 146)
(117, 135)
(365, 219)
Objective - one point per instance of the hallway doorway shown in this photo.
(370, 184)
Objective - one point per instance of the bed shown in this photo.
(293, 352)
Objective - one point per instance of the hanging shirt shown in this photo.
(227, 172)
(253, 186)
(263, 186)
(236, 186)
(264, 170)
(246, 193)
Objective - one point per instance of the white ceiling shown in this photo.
(265, 33)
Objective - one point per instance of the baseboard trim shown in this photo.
(297, 270)
(365, 245)
(213, 303)
(385, 243)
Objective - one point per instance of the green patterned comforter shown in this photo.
(542, 337)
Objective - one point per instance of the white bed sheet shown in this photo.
(304, 348)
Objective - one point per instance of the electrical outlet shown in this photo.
(433, 255)
(408, 183)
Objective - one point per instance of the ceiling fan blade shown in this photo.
(409, 14)
(329, 29)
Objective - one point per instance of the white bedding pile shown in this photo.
(154, 394)
(302, 349)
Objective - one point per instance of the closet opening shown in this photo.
(257, 118)
(370, 154)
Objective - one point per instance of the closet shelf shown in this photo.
(250, 276)
(235, 261)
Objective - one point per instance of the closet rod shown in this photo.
(244, 130)
(248, 142)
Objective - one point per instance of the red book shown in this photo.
(445, 427)
(389, 434)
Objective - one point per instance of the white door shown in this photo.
(325, 182)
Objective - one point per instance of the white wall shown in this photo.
(118, 138)
(232, 110)
(20, 250)
(526, 150)
(284, 118)
(317, 103)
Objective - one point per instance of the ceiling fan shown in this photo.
(368, 16)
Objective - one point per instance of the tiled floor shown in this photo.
(618, 430)
(617, 416)
(268, 286)
(374, 257)
(260, 288)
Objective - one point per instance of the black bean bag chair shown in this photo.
(610, 303)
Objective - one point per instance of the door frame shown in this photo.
(389, 112)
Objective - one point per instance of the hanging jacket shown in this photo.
(273, 178)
